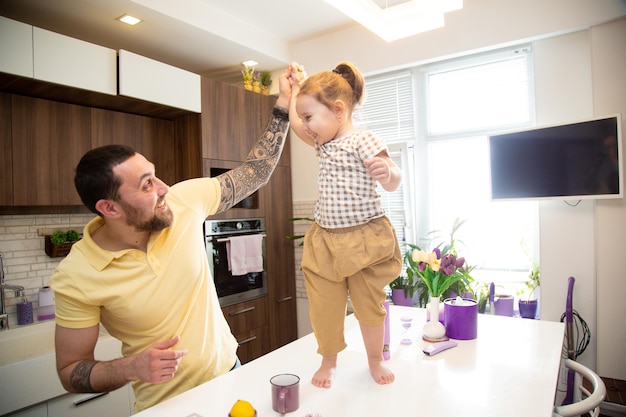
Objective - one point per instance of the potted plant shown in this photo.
(528, 304)
(256, 81)
(408, 284)
(59, 243)
(266, 82)
(439, 270)
(247, 74)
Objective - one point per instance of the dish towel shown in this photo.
(245, 254)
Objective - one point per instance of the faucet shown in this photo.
(4, 317)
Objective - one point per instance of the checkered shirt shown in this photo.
(347, 192)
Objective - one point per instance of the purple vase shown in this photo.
(527, 308)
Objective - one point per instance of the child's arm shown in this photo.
(297, 76)
(383, 170)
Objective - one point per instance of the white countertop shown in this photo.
(510, 370)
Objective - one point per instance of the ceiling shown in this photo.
(209, 37)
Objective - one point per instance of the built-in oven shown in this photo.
(231, 288)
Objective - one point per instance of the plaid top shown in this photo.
(347, 192)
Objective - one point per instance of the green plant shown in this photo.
(441, 269)
(533, 281)
(299, 237)
(266, 78)
(59, 237)
(247, 73)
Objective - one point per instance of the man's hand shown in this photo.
(159, 363)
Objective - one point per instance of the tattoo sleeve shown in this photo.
(256, 170)
(79, 379)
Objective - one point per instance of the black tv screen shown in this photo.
(573, 161)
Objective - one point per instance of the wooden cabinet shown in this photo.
(281, 259)
(42, 141)
(233, 120)
(6, 153)
(48, 139)
(249, 322)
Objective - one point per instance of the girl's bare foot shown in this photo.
(323, 378)
(381, 374)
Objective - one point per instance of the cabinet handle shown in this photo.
(243, 310)
(250, 339)
(88, 398)
(280, 300)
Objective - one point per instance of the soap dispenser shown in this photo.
(46, 304)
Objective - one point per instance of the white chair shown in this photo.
(584, 402)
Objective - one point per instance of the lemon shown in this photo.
(242, 408)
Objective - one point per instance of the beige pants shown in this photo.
(359, 261)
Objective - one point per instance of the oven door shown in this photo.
(232, 289)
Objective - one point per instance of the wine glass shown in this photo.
(406, 324)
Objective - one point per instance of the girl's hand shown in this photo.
(379, 169)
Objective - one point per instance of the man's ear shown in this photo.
(108, 208)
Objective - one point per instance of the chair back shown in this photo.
(585, 402)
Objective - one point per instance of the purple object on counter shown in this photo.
(461, 320)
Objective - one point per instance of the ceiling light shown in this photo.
(249, 63)
(128, 19)
(403, 19)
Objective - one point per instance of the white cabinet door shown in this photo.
(63, 60)
(16, 44)
(113, 404)
(154, 81)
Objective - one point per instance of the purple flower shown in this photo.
(437, 252)
(448, 264)
(459, 262)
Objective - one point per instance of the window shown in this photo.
(436, 120)
(389, 112)
(465, 101)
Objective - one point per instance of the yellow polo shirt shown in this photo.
(144, 298)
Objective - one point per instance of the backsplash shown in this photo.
(26, 263)
(22, 249)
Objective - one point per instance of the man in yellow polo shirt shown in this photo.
(141, 270)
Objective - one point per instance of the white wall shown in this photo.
(579, 74)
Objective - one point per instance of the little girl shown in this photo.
(352, 247)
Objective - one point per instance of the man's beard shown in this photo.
(155, 223)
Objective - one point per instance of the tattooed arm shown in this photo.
(256, 170)
(80, 372)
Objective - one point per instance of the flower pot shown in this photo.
(56, 251)
(265, 90)
(247, 85)
(528, 308)
(399, 298)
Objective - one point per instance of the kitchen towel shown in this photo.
(245, 254)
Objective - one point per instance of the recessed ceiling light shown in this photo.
(250, 63)
(128, 19)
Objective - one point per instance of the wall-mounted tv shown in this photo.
(574, 161)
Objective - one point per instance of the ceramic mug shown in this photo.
(285, 393)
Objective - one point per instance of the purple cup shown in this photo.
(461, 320)
(285, 393)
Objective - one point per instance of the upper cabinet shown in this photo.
(150, 80)
(16, 44)
(63, 60)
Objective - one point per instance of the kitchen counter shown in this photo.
(28, 364)
(511, 370)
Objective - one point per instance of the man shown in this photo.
(141, 270)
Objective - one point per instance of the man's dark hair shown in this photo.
(94, 179)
